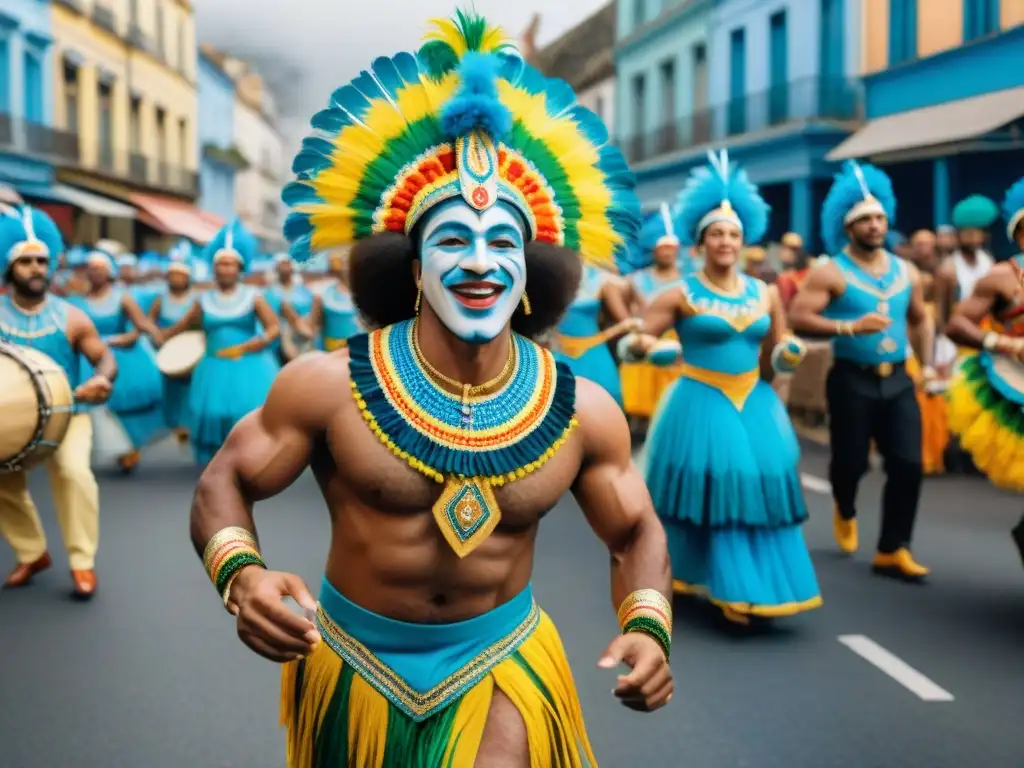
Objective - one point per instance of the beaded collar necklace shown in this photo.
(471, 442)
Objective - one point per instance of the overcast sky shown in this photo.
(307, 48)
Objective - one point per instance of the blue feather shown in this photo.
(388, 76)
(368, 86)
(301, 248)
(297, 193)
(476, 103)
(243, 243)
(1013, 206)
(590, 125)
(845, 193)
(330, 120)
(705, 191)
(559, 96)
(13, 232)
(351, 100)
(296, 225)
(408, 67)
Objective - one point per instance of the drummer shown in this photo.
(291, 300)
(31, 316)
(168, 308)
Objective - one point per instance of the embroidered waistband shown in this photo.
(735, 386)
(421, 668)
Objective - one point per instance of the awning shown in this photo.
(932, 126)
(92, 203)
(173, 217)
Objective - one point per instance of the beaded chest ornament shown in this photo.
(490, 435)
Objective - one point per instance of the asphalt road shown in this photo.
(151, 673)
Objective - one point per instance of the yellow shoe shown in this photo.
(845, 532)
(734, 616)
(129, 462)
(899, 565)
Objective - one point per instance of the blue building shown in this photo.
(775, 81)
(29, 146)
(219, 159)
(944, 98)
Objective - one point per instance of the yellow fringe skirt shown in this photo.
(336, 714)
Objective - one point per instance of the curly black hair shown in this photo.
(384, 290)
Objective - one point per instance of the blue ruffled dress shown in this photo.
(340, 320)
(721, 463)
(224, 390)
(177, 413)
(136, 399)
(579, 328)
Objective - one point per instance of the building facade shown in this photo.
(29, 146)
(258, 186)
(944, 99)
(219, 158)
(775, 81)
(125, 82)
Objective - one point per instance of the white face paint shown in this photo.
(473, 268)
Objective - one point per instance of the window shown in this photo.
(778, 69)
(33, 75)
(639, 12)
(135, 124)
(667, 98)
(161, 48)
(106, 139)
(737, 81)
(133, 13)
(832, 40)
(183, 141)
(981, 18)
(70, 97)
(700, 77)
(5, 74)
(639, 105)
(161, 136)
(902, 31)
(181, 46)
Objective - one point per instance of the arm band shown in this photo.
(647, 611)
(228, 552)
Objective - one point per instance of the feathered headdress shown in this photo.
(105, 259)
(232, 241)
(466, 117)
(180, 258)
(858, 191)
(1013, 208)
(718, 192)
(25, 231)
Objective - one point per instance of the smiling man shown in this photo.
(441, 438)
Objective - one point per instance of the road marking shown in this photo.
(816, 484)
(896, 668)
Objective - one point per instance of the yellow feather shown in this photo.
(447, 31)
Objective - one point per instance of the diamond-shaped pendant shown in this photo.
(466, 513)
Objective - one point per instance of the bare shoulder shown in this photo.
(79, 323)
(308, 391)
(946, 269)
(824, 274)
(603, 429)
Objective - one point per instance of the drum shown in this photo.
(36, 404)
(180, 355)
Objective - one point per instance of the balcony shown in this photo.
(795, 103)
(103, 16)
(28, 139)
(137, 170)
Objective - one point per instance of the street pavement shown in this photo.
(151, 673)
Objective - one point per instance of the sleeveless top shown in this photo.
(298, 296)
(45, 331)
(341, 318)
(228, 320)
(106, 313)
(172, 308)
(725, 334)
(968, 275)
(581, 319)
(887, 295)
(649, 285)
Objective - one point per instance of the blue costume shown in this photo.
(871, 396)
(223, 389)
(136, 400)
(177, 391)
(581, 345)
(721, 458)
(296, 295)
(340, 318)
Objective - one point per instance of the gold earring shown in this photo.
(419, 294)
(527, 309)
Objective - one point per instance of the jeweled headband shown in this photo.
(464, 117)
(720, 192)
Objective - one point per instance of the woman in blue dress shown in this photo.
(335, 318)
(235, 374)
(721, 455)
(291, 301)
(579, 340)
(168, 308)
(136, 399)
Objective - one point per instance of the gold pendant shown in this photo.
(466, 512)
(887, 345)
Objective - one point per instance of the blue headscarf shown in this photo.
(26, 230)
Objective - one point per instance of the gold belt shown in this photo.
(735, 386)
(577, 346)
(332, 344)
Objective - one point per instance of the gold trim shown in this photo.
(420, 706)
(735, 386)
(749, 609)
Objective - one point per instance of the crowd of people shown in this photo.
(478, 353)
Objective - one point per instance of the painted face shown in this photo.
(473, 268)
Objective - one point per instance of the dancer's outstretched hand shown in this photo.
(264, 622)
(649, 684)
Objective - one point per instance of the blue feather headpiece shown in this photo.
(105, 259)
(463, 118)
(26, 231)
(858, 191)
(718, 192)
(1013, 209)
(232, 241)
(180, 258)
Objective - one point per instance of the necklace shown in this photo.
(467, 390)
(469, 443)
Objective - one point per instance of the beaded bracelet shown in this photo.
(647, 611)
(228, 552)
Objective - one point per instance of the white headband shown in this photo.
(868, 207)
(1015, 221)
(30, 247)
(723, 213)
(179, 266)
